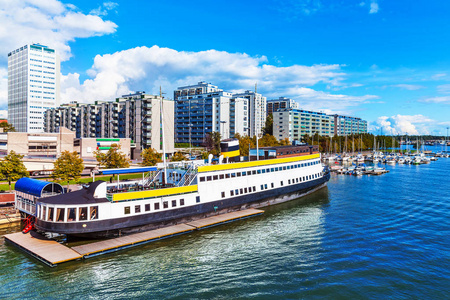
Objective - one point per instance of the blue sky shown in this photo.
(384, 61)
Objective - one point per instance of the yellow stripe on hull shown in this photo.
(231, 153)
(256, 163)
(154, 193)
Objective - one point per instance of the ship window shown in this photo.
(304, 178)
(288, 167)
(281, 183)
(231, 193)
(44, 210)
(174, 203)
(209, 178)
(233, 175)
(181, 202)
(227, 175)
(236, 191)
(127, 210)
(259, 171)
(221, 176)
(215, 177)
(284, 168)
(254, 188)
(272, 184)
(238, 174)
(50, 214)
(60, 214)
(202, 179)
(262, 187)
(289, 181)
(245, 190)
(93, 212)
(223, 194)
(197, 199)
(265, 186)
(137, 209)
(241, 191)
(244, 173)
(251, 172)
(147, 207)
(296, 179)
(165, 204)
(82, 213)
(156, 205)
(71, 214)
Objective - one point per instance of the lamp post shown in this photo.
(190, 144)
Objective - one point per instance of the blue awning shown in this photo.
(128, 170)
(36, 187)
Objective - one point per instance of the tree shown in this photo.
(150, 157)
(68, 167)
(12, 168)
(7, 127)
(178, 156)
(113, 158)
(212, 142)
(268, 127)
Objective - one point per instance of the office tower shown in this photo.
(33, 86)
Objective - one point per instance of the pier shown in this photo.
(53, 253)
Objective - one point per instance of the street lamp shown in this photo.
(190, 144)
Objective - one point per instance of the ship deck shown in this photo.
(53, 253)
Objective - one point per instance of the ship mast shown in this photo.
(162, 133)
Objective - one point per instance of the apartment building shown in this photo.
(204, 108)
(295, 123)
(257, 111)
(274, 104)
(136, 116)
(345, 125)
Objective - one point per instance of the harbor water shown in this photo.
(366, 237)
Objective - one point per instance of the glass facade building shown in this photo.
(33, 86)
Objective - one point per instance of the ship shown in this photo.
(177, 192)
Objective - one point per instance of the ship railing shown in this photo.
(150, 178)
(187, 176)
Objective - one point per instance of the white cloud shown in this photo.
(3, 87)
(409, 87)
(144, 68)
(3, 114)
(374, 7)
(443, 99)
(444, 88)
(49, 22)
(403, 124)
(103, 9)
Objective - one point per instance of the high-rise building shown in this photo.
(257, 111)
(295, 123)
(204, 108)
(274, 104)
(349, 125)
(136, 116)
(33, 86)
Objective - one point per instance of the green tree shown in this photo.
(268, 128)
(150, 157)
(178, 156)
(212, 142)
(12, 168)
(68, 167)
(114, 158)
(7, 127)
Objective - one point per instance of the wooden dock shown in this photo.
(48, 251)
(53, 253)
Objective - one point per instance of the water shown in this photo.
(367, 237)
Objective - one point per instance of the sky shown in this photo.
(386, 62)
